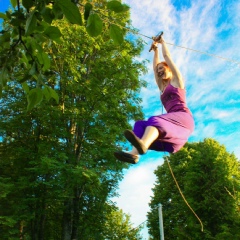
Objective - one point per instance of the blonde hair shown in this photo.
(163, 63)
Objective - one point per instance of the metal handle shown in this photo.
(156, 39)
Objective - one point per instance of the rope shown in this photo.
(137, 226)
(179, 189)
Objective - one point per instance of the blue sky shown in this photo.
(4, 4)
(212, 84)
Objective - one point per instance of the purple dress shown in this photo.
(175, 126)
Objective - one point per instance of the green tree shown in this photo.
(57, 167)
(30, 26)
(210, 180)
(118, 226)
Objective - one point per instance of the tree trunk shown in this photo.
(67, 221)
(21, 226)
(76, 212)
(75, 224)
(41, 228)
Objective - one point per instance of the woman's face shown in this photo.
(163, 72)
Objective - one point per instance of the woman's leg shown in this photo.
(149, 136)
(138, 129)
(134, 151)
(142, 137)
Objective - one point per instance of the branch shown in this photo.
(234, 197)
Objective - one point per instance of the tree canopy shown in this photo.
(30, 27)
(210, 181)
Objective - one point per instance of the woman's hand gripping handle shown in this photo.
(156, 40)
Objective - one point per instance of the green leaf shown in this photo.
(71, 11)
(116, 34)
(94, 25)
(57, 11)
(47, 93)
(24, 78)
(33, 69)
(117, 7)
(31, 23)
(14, 3)
(48, 15)
(27, 3)
(53, 33)
(3, 76)
(125, 8)
(3, 16)
(44, 60)
(34, 97)
(25, 87)
(87, 8)
(1, 90)
(5, 38)
(50, 93)
(54, 95)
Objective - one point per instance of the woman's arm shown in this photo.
(177, 80)
(156, 60)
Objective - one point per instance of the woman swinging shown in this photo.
(167, 132)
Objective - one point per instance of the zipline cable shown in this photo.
(191, 49)
(172, 44)
(209, 54)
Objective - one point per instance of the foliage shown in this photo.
(210, 180)
(30, 27)
(118, 226)
(57, 167)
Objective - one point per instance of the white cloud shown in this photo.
(204, 131)
(135, 188)
(226, 116)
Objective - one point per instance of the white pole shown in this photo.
(160, 221)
